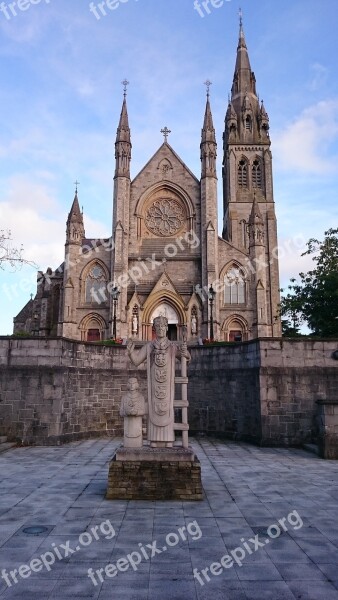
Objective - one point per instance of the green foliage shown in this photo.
(111, 342)
(21, 334)
(313, 298)
(289, 329)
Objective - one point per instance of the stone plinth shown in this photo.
(150, 478)
(146, 453)
(328, 429)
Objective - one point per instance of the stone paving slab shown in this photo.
(247, 491)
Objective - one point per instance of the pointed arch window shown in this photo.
(248, 123)
(234, 286)
(96, 286)
(256, 174)
(243, 173)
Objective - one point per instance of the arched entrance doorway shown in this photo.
(93, 328)
(166, 310)
(235, 329)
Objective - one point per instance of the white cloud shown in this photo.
(37, 221)
(306, 144)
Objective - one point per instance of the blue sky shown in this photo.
(61, 94)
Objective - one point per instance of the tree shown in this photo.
(313, 299)
(9, 254)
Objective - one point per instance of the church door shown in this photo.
(93, 335)
(166, 310)
(235, 336)
(172, 332)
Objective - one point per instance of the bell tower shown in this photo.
(248, 183)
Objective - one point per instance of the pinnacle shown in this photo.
(208, 131)
(75, 212)
(123, 130)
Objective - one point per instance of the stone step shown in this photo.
(3, 439)
(6, 446)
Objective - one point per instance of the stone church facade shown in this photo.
(165, 252)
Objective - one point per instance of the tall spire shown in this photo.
(244, 79)
(246, 121)
(123, 140)
(208, 143)
(75, 228)
(241, 30)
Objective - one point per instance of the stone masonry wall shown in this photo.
(265, 391)
(294, 374)
(224, 391)
(54, 390)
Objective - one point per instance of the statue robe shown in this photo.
(160, 356)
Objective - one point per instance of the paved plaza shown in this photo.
(251, 496)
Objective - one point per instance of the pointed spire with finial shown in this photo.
(244, 99)
(244, 79)
(263, 120)
(208, 131)
(208, 142)
(75, 228)
(123, 139)
(241, 30)
(123, 130)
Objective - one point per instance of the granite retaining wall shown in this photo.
(266, 391)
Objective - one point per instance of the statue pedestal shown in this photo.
(154, 474)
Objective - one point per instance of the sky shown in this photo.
(61, 95)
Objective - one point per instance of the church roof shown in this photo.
(25, 313)
(232, 246)
(91, 243)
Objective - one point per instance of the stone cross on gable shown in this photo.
(165, 132)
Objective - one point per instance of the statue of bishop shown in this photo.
(160, 355)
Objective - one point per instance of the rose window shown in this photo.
(164, 217)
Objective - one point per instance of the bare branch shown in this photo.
(10, 256)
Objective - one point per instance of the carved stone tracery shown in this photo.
(165, 217)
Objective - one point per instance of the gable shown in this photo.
(165, 164)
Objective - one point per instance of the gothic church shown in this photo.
(165, 252)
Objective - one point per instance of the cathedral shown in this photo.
(165, 256)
